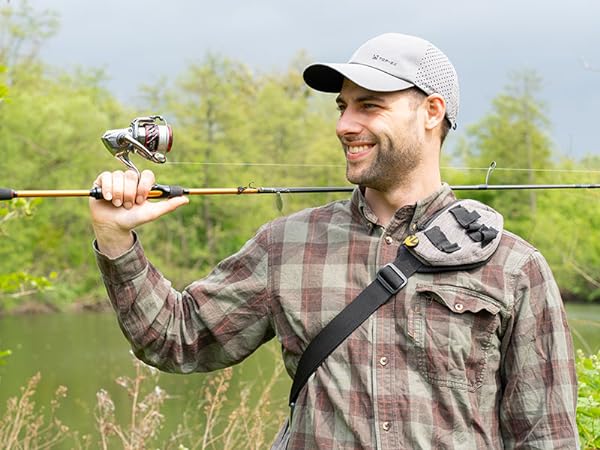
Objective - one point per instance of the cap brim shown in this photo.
(330, 77)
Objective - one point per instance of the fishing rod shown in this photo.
(151, 138)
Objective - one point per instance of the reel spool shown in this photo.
(144, 136)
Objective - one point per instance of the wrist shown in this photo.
(113, 243)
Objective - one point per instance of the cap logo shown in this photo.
(382, 59)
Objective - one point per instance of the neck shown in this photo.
(385, 203)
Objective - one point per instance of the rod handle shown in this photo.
(6, 194)
(167, 191)
(157, 191)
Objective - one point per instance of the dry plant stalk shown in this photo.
(205, 426)
(145, 417)
(22, 427)
(249, 425)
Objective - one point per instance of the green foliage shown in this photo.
(17, 284)
(18, 281)
(3, 355)
(235, 127)
(515, 134)
(22, 32)
(17, 207)
(3, 87)
(588, 403)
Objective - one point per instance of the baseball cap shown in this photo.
(392, 62)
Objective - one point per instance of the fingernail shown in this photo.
(139, 200)
(108, 196)
(127, 205)
(117, 203)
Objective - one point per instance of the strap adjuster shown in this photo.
(391, 278)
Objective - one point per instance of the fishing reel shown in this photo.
(145, 136)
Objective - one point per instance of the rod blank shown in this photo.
(167, 191)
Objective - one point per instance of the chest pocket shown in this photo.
(454, 333)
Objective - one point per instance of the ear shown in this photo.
(436, 110)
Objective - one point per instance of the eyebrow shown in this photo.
(362, 98)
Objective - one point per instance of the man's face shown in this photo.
(380, 136)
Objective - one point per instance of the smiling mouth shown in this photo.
(357, 151)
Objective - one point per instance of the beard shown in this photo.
(393, 165)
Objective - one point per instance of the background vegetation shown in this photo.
(234, 127)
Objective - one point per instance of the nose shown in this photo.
(348, 123)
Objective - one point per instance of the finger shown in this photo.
(130, 186)
(105, 182)
(118, 179)
(145, 184)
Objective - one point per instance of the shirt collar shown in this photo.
(422, 209)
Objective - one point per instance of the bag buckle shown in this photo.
(391, 278)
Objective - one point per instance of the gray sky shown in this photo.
(137, 41)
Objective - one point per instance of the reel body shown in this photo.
(145, 136)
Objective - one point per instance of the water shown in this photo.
(87, 352)
(584, 321)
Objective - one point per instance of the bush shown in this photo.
(588, 403)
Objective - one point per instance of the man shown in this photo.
(478, 358)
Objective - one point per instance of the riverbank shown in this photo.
(87, 353)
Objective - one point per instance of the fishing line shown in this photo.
(152, 138)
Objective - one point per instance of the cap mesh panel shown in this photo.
(436, 74)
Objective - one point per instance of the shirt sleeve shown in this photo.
(538, 405)
(213, 323)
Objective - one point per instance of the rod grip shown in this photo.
(167, 191)
(157, 191)
(6, 194)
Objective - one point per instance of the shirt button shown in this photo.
(458, 307)
(389, 240)
(383, 360)
(386, 426)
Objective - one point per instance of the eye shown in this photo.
(370, 106)
(341, 107)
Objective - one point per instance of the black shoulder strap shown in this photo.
(390, 279)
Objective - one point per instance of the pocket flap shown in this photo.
(460, 300)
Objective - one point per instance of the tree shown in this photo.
(22, 32)
(234, 127)
(515, 134)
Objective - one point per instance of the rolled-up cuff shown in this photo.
(125, 267)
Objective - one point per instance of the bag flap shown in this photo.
(466, 233)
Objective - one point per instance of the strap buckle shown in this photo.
(391, 278)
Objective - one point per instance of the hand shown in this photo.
(125, 207)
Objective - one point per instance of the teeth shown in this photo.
(358, 149)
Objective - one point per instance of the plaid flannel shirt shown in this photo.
(478, 359)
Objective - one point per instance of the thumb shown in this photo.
(158, 209)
